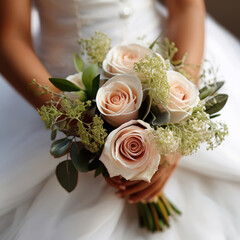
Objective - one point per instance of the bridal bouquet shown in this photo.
(128, 112)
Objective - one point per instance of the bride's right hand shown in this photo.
(18, 61)
(142, 191)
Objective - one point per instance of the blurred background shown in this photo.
(227, 13)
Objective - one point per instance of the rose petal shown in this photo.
(183, 96)
(120, 59)
(117, 114)
(118, 154)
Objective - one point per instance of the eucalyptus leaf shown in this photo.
(210, 89)
(53, 134)
(95, 86)
(60, 147)
(64, 85)
(217, 86)
(160, 117)
(67, 175)
(150, 118)
(80, 158)
(205, 92)
(78, 63)
(216, 103)
(88, 75)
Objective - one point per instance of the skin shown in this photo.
(18, 61)
(19, 64)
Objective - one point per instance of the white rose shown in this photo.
(77, 80)
(121, 59)
(183, 96)
(128, 153)
(119, 99)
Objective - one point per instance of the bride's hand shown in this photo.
(136, 191)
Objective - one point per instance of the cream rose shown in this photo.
(77, 80)
(119, 99)
(128, 153)
(183, 96)
(121, 59)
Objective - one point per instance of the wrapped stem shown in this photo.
(155, 216)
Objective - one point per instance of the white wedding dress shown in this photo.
(205, 186)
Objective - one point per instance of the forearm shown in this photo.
(20, 65)
(186, 28)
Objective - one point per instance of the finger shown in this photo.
(128, 183)
(116, 179)
(114, 184)
(152, 197)
(138, 187)
(161, 186)
(143, 195)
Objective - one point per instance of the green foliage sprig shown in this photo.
(153, 75)
(186, 137)
(96, 47)
(74, 119)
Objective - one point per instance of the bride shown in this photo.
(32, 204)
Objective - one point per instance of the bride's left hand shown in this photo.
(142, 191)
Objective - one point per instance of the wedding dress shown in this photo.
(33, 206)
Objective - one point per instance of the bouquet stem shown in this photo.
(154, 216)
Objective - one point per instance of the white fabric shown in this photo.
(205, 186)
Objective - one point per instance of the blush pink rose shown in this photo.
(183, 96)
(128, 153)
(119, 99)
(121, 59)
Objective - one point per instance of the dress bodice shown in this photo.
(63, 22)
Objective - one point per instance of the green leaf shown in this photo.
(146, 105)
(101, 169)
(204, 92)
(214, 116)
(215, 104)
(95, 86)
(98, 171)
(217, 86)
(210, 89)
(60, 147)
(64, 85)
(94, 164)
(159, 117)
(150, 118)
(53, 134)
(154, 42)
(78, 63)
(88, 75)
(67, 175)
(80, 157)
